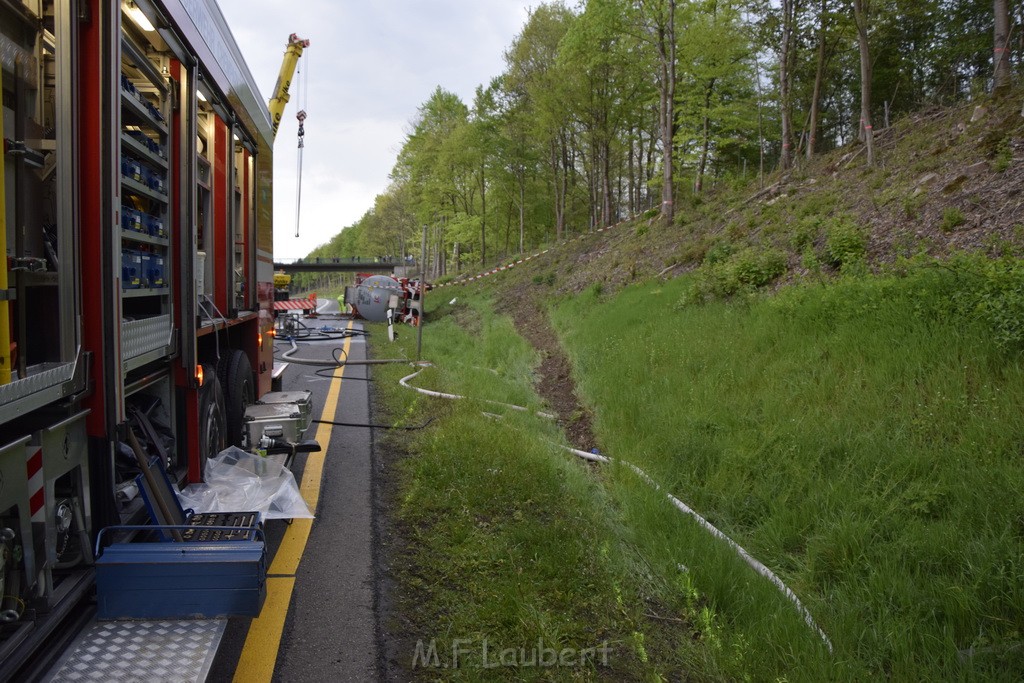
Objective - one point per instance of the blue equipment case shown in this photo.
(218, 568)
(181, 580)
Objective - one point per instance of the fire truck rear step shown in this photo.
(109, 651)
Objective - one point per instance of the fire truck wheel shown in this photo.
(212, 427)
(235, 375)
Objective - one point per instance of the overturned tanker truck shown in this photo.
(383, 298)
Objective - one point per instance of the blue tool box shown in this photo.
(181, 580)
(204, 565)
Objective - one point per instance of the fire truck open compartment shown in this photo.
(39, 351)
(146, 229)
(137, 279)
(149, 130)
(45, 505)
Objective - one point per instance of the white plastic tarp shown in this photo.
(239, 481)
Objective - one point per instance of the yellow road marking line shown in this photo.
(257, 663)
(289, 553)
(259, 654)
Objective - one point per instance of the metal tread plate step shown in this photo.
(123, 651)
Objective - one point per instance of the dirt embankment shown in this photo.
(554, 382)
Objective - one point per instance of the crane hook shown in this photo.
(301, 116)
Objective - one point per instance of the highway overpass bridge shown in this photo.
(341, 265)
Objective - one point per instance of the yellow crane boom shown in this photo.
(284, 80)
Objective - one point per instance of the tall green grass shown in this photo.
(506, 537)
(863, 439)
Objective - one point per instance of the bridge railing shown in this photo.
(353, 260)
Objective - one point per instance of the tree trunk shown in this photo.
(567, 167)
(1001, 49)
(522, 213)
(442, 256)
(861, 12)
(705, 147)
(593, 200)
(553, 160)
(558, 171)
(651, 169)
(698, 183)
(819, 76)
(483, 213)
(634, 135)
(785, 56)
(606, 181)
(620, 191)
(667, 112)
(508, 227)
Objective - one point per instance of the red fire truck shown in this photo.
(138, 281)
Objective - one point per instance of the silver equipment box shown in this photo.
(276, 420)
(303, 400)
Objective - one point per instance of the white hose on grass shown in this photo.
(751, 561)
(405, 383)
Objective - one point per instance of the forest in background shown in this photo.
(617, 108)
(854, 430)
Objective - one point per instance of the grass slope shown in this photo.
(508, 540)
(860, 438)
(858, 431)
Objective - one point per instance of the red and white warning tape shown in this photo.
(471, 278)
(37, 497)
(295, 304)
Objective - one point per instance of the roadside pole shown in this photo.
(423, 292)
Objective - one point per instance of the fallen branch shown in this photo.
(665, 270)
(771, 188)
(674, 620)
(855, 155)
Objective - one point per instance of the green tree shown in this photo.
(602, 96)
(438, 172)
(655, 22)
(485, 129)
(862, 17)
(717, 103)
(537, 84)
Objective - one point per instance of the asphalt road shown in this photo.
(331, 630)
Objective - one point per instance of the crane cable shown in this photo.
(303, 87)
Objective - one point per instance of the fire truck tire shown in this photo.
(212, 425)
(235, 375)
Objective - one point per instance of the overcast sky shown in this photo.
(370, 65)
